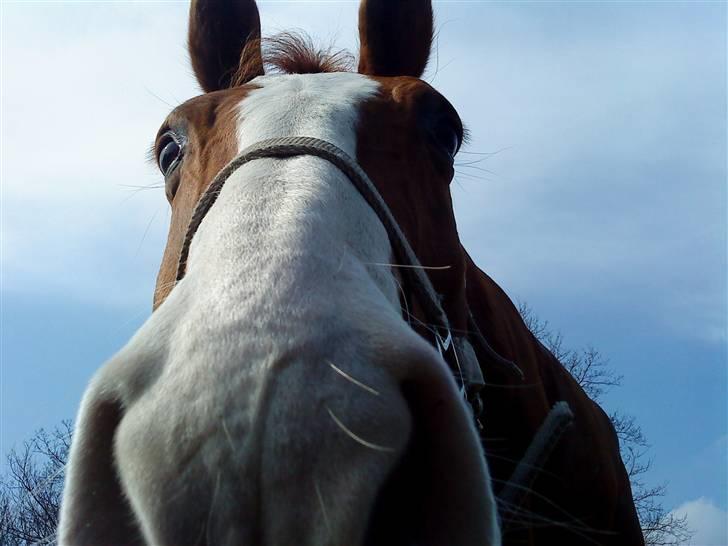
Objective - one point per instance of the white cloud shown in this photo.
(706, 520)
(85, 87)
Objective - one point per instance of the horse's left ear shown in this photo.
(220, 32)
(395, 37)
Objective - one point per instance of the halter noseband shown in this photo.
(462, 362)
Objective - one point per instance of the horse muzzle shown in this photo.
(321, 449)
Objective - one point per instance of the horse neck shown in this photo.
(515, 405)
(514, 409)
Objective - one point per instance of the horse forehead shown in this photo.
(325, 106)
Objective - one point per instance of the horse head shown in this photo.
(284, 390)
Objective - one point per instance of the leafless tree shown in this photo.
(30, 490)
(592, 372)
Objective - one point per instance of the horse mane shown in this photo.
(290, 53)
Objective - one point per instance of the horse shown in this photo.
(325, 364)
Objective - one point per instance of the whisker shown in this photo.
(469, 176)
(160, 99)
(136, 190)
(356, 438)
(408, 266)
(323, 506)
(530, 516)
(137, 187)
(476, 168)
(200, 536)
(488, 154)
(208, 526)
(533, 520)
(347, 376)
(404, 299)
(572, 521)
(429, 327)
(146, 231)
(524, 517)
(470, 163)
(227, 435)
(341, 264)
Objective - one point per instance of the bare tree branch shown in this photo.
(30, 492)
(594, 375)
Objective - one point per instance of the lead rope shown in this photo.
(534, 459)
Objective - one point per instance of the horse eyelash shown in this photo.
(466, 134)
(150, 156)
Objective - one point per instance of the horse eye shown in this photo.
(447, 138)
(169, 156)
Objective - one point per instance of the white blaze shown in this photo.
(324, 106)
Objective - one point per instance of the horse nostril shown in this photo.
(94, 509)
(439, 492)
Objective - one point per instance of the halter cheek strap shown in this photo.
(457, 352)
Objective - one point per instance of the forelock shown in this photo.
(292, 53)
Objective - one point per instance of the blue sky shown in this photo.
(604, 207)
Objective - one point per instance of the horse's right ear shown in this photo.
(220, 32)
